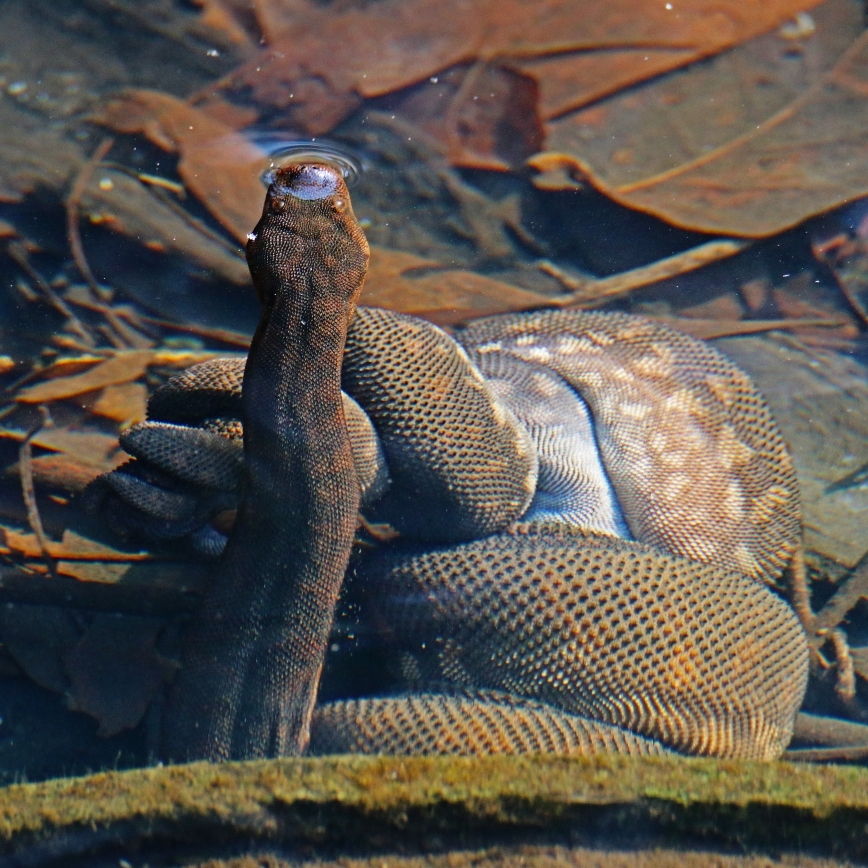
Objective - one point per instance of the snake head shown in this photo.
(307, 230)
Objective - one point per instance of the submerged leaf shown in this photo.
(323, 59)
(694, 151)
(446, 297)
(114, 670)
(123, 367)
(122, 402)
(219, 166)
(37, 637)
(72, 546)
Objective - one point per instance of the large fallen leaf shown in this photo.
(124, 367)
(406, 282)
(497, 131)
(114, 670)
(694, 150)
(218, 165)
(445, 296)
(322, 60)
(37, 637)
(124, 205)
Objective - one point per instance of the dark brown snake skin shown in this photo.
(254, 652)
(593, 643)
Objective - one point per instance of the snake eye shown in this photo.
(340, 205)
(278, 205)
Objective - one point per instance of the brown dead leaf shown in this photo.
(125, 403)
(124, 205)
(321, 60)
(115, 671)
(218, 165)
(99, 451)
(123, 367)
(726, 306)
(90, 447)
(99, 572)
(224, 16)
(694, 151)
(37, 637)
(446, 297)
(57, 470)
(72, 547)
(483, 115)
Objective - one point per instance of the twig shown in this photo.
(800, 595)
(28, 492)
(843, 600)
(845, 684)
(584, 291)
(822, 731)
(19, 253)
(73, 202)
(826, 755)
(112, 337)
(849, 296)
(121, 335)
(224, 336)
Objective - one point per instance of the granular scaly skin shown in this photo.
(193, 454)
(461, 465)
(254, 651)
(690, 652)
(690, 447)
(703, 660)
(572, 485)
(465, 724)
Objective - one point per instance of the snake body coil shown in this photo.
(510, 462)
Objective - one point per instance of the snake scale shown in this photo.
(593, 510)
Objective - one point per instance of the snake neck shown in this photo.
(301, 476)
(254, 652)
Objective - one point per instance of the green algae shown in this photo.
(369, 801)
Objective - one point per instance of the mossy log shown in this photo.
(365, 805)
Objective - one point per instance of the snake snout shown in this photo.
(308, 181)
